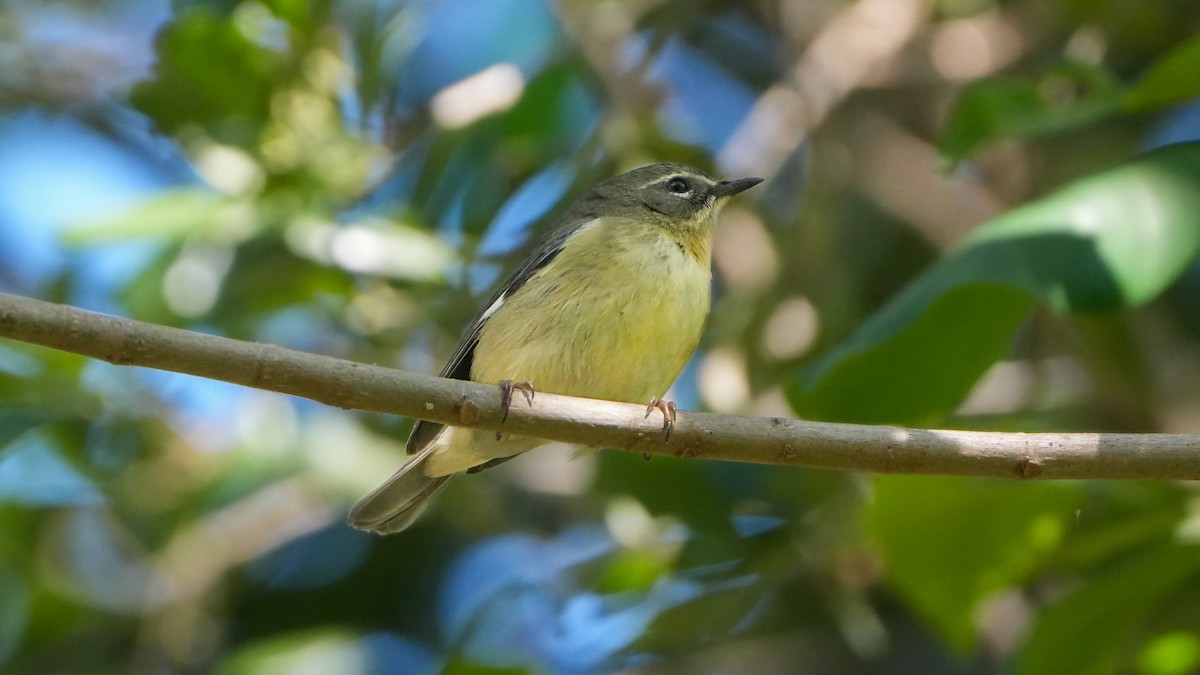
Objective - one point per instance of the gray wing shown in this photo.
(459, 365)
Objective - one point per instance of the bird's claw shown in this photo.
(668, 410)
(506, 392)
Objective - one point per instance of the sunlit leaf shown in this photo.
(1175, 653)
(331, 651)
(169, 213)
(1172, 79)
(1112, 240)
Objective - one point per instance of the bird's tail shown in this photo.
(397, 503)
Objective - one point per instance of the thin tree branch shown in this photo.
(624, 426)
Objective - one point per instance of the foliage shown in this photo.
(1115, 239)
(969, 221)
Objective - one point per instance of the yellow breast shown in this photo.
(615, 315)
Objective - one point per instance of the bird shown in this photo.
(610, 305)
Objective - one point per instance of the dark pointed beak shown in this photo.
(729, 188)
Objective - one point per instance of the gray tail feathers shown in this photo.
(397, 503)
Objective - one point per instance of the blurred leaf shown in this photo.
(950, 542)
(172, 213)
(1121, 518)
(144, 296)
(1115, 239)
(95, 559)
(311, 561)
(1174, 78)
(281, 279)
(1068, 97)
(1114, 536)
(210, 74)
(1171, 654)
(331, 651)
(915, 366)
(557, 109)
(1088, 632)
(680, 488)
(1142, 218)
(496, 572)
(633, 571)
(718, 612)
(14, 611)
(516, 600)
(32, 472)
(461, 666)
(303, 15)
(14, 424)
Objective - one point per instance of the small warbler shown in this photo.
(611, 306)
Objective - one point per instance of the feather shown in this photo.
(459, 365)
(393, 506)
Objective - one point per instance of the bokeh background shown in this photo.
(350, 177)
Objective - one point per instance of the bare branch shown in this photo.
(853, 48)
(624, 426)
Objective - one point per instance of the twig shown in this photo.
(856, 45)
(624, 426)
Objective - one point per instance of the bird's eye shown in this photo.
(679, 185)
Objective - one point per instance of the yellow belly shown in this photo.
(617, 324)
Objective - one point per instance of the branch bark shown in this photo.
(624, 426)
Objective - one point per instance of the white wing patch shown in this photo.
(487, 313)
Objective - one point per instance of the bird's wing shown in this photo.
(459, 365)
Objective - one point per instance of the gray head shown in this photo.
(672, 195)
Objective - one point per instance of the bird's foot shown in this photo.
(506, 393)
(668, 410)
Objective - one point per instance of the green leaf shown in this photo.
(1086, 632)
(1140, 222)
(304, 16)
(914, 359)
(34, 473)
(1112, 240)
(15, 424)
(1175, 653)
(174, 213)
(327, 650)
(210, 74)
(1068, 97)
(1172, 79)
(708, 617)
(462, 666)
(949, 543)
(14, 611)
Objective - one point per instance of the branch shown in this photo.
(624, 426)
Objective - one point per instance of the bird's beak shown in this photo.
(728, 188)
